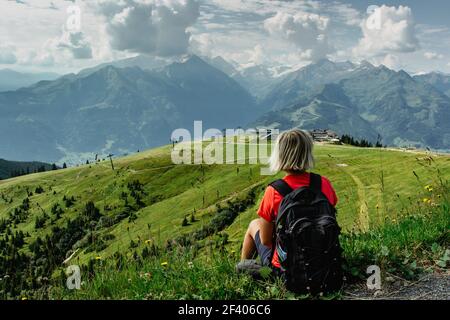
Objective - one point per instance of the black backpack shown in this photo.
(307, 239)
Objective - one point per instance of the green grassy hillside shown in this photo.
(92, 213)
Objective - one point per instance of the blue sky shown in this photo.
(35, 35)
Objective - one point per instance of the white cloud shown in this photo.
(60, 50)
(203, 44)
(41, 58)
(392, 62)
(76, 43)
(265, 7)
(238, 46)
(345, 13)
(233, 29)
(251, 57)
(433, 55)
(257, 55)
(7, 55)
(157, 27)
(387, 30)
(308, 31)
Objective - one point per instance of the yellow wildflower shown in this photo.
(164, 264)
(98, 258)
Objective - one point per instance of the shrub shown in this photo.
(39, 190)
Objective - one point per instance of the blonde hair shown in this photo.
(292, 152)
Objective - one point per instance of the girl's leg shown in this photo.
(248, 246)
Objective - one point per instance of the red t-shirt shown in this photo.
(268, 209)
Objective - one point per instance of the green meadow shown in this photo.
(161, 230)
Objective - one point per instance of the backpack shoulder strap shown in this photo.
(282, 187)
(315, 183)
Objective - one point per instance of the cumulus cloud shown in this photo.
(251, 57)
(59, 50)
(392, 62)
(75, 42)
(203, 44)
(43, 58)
(433, 55)
(157, 27)
(7, 55)
(308, 31)
(387, 30)
(258, 55)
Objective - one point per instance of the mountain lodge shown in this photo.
(320, 135)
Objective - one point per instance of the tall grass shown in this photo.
(413, 238)
(174, 275)
(406, 248)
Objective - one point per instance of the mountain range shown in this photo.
(134, 104)
(438, 80)
(304, 83)
(364, 101)
(117, 110)
(13, 80)
(256, 79)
